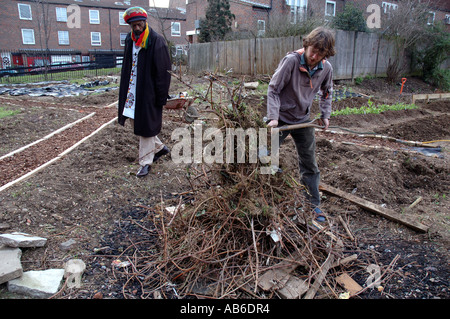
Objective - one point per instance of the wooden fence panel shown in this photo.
(358, 54)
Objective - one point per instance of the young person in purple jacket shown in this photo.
(299, 77)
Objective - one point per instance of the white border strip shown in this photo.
(47, 137)
(56, 158)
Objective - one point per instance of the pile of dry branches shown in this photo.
(239, 225)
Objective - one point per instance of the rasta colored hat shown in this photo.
(134, 14)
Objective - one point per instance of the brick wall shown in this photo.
(79, 36)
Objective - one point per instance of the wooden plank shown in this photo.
(293, 289)
(385, 212)
(276, 278)
(348, 283)
(428, 97)
(320, 277)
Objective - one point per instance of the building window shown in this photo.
(28, 36)
(175, 29)
(388, 8)
(25, 11)
(96, 38)
(261, 28)
(330, 8)
(447, 18)
(94, 17)
(63, 37)
(430, 18)
(121, 20)
(123, 36)
(298, 10)
(61, 14)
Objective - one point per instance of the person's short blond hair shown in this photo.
(322, 39)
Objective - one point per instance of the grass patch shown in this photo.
(5, 112)
(371, 108)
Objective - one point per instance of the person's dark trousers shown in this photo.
(305, 142)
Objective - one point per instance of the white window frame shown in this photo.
(20, 7)
(32, 35)
(388, 7)
(123, 36)
(261, 27)
(94, 20)
(431, 15)
(447, 18)
(61, 14)
(298, 10)
(96, 43)
(63, 38)
(173, 31)
(179, 49)
(334, 8)
(121, 19)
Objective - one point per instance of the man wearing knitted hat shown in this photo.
(144, 86)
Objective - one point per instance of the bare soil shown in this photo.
(92, 195)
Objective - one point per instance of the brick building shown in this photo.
(60, 31)
(439, 10)
(81, 30)
(254, 16)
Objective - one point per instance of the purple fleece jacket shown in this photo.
(292, 90)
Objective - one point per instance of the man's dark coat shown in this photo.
(152, 87)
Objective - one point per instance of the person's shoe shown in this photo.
(319, 215)
(162, 152)
(143, 171)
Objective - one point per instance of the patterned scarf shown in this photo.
(142, 41)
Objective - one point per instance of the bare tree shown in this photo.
(405, 26)
(44, 26)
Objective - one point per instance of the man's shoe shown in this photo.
(143, 171)
(162, 152)
(319, 215)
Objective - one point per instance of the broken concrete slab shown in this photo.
(17, 239)
(10, 265)
(37, 283)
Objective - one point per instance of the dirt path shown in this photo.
(93, 196)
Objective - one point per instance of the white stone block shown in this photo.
(10, 266)
(37, 283)
(22, 240)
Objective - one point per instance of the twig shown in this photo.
(344, 224)
(256, 254)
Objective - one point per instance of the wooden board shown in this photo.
(387, 213)
(428, 97)
(293, 289)
(348, 283)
